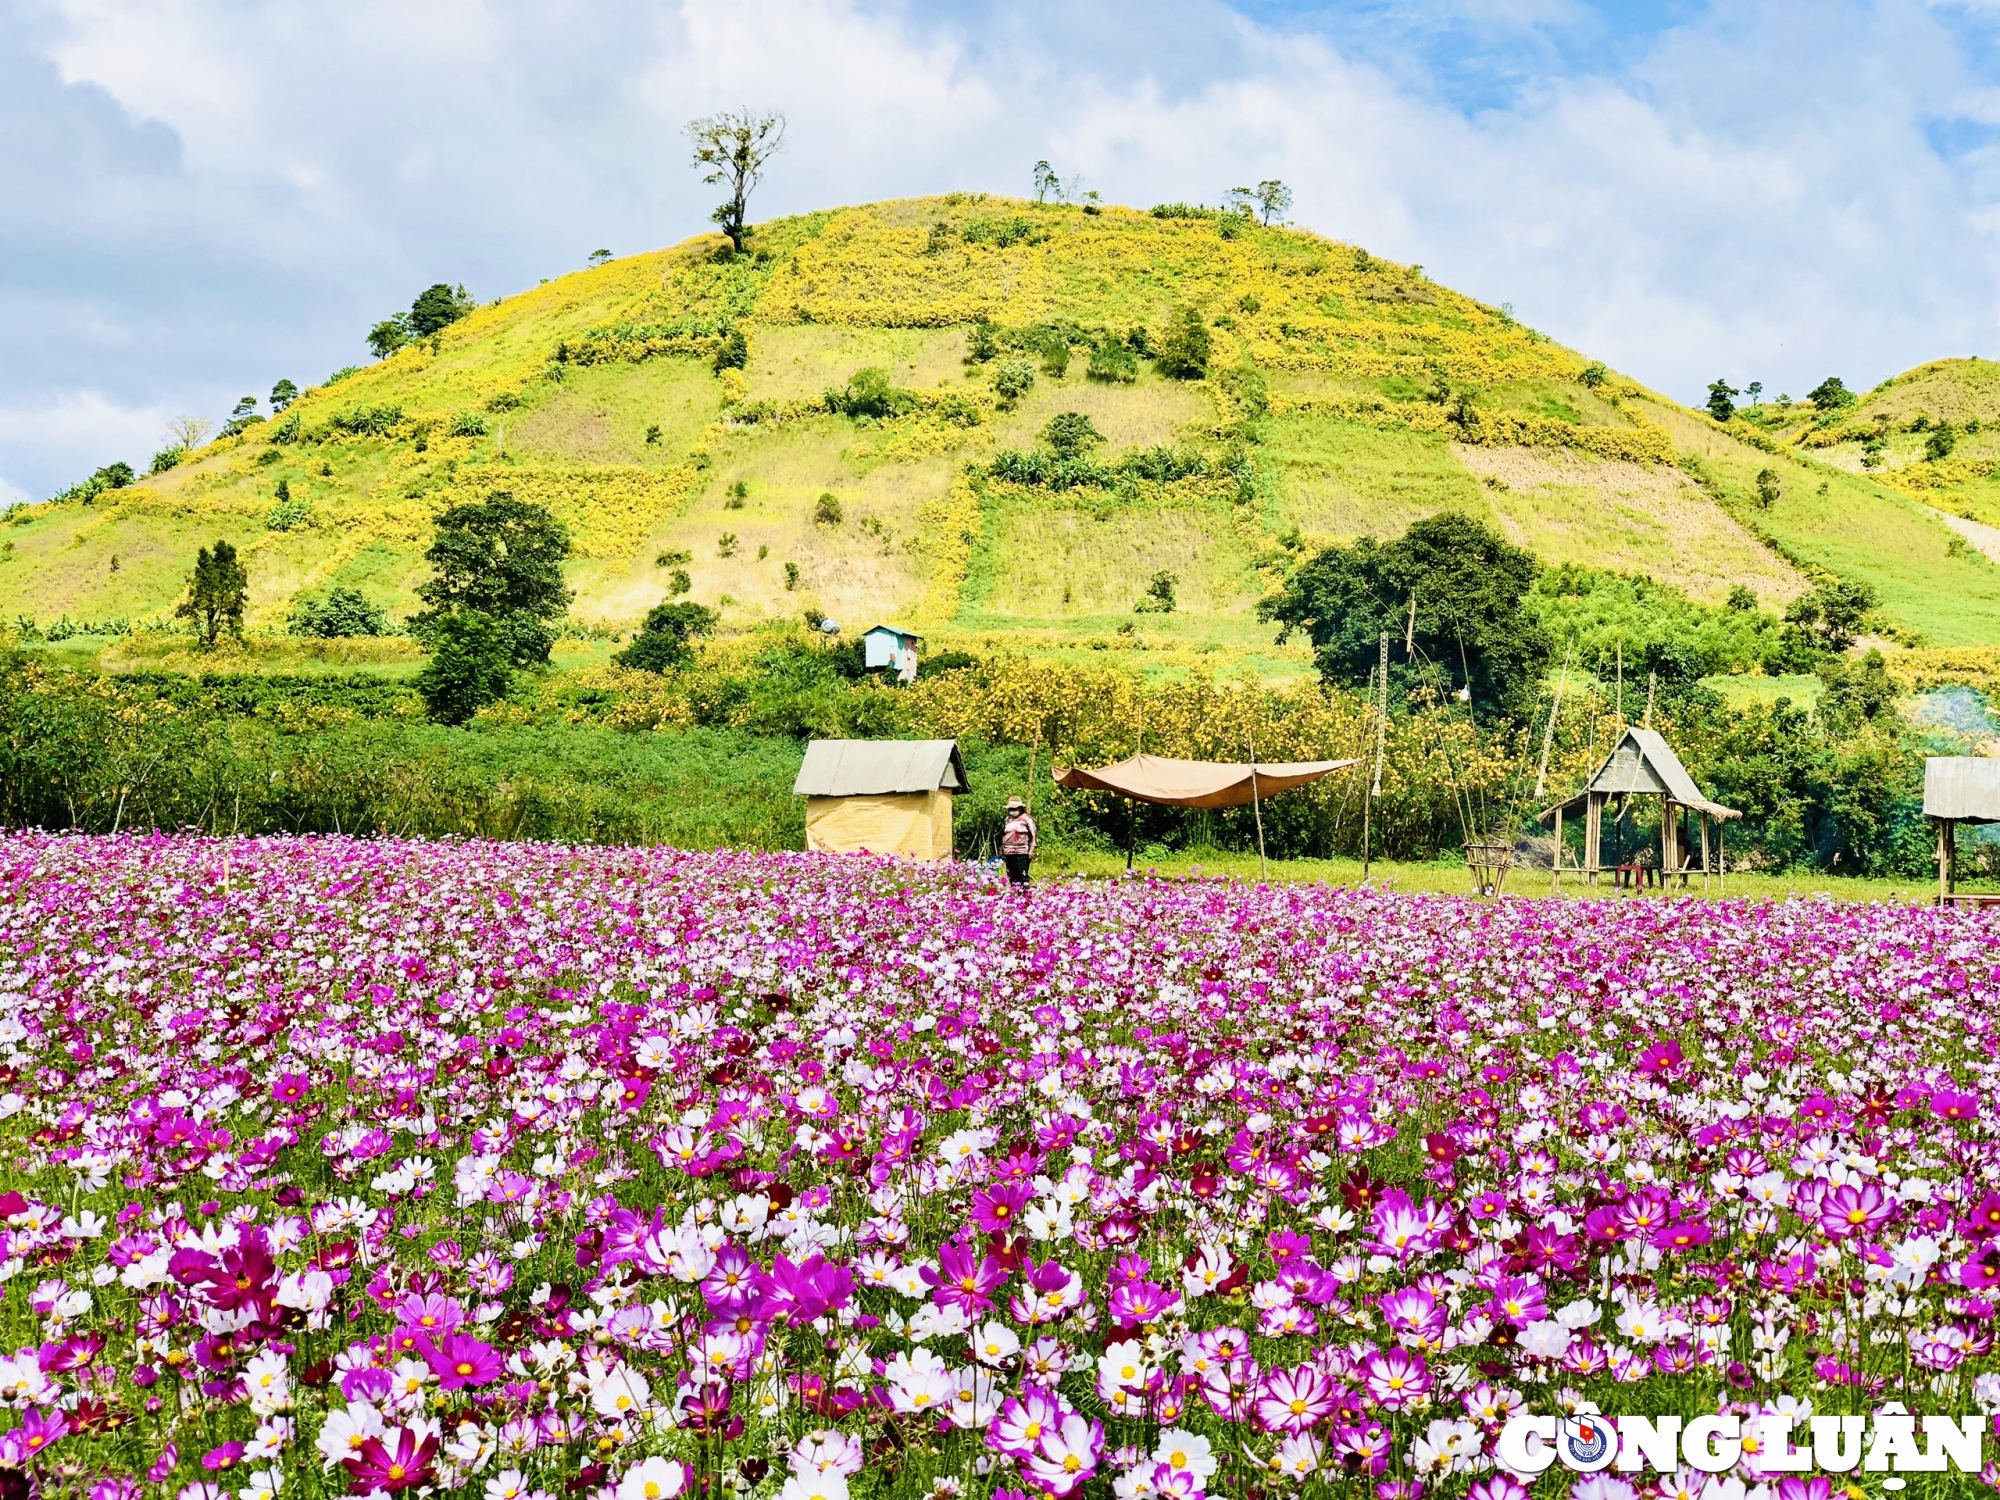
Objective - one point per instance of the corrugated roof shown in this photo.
(879, 768)
(1644, 764)
(1964, 787)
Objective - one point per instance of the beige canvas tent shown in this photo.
(880, 796)
(1194, 783)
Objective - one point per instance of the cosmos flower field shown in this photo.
(522, 1172)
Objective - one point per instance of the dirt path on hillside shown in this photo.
(1985, 538)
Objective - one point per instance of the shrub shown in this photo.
(1159, 595)
(468, 424)
(725, 545)
(733, 353)
(869, 394)
(737, 494)
(1112, 361)
(1070, 434)
(1742, 597)
(1013, 379)
(290, 511)
(471, 665)
(166, 459)
(342, 613)
(367, 421)
(1000, 232)
(1939, 444)
(678, 583)
(981, 344)
(1184, 352)
(679, 557)
(1767, 488)
(791, 576)
(827, 512)
(662, 643)
(1594, 374)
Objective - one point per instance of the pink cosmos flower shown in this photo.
(1067, 1455)
(1293, 1400)
(1395, 1378)
(459, 1360)
(397, 1461)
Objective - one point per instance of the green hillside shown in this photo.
(1342, 395)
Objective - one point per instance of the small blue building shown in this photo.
(886, 646)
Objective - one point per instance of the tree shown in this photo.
(1832, 613)
(1185, 350)
(1720, 406)
(283, 394)
(1753, 390)
(1593, 375)
(662, 644)
(1047, 184)
(1742, 597)
(438, 307)
(736, 145)
(503, 558)
(342, 613)
(1472, 621)
(1767, 488)
(243, 417)
(1273, 199)
(1071, 434)
(389, 335)
(1831, 395)
(827, 512)
(217, 591)
(471, 665)
(188, 432)
(1943, 438)
(597, 258)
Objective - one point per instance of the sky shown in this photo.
(201, 197)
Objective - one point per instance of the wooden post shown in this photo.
(1947, 860)
(1132, 833)
(1705, 820)
(1721, 858)
(1558, 884)
(1257, 809)
(1667, 860)
(1593, 834)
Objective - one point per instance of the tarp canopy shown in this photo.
(1643, 764)
(879, 768)
(1194, 783)
(1962, 788)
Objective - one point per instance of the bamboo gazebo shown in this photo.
(1643, 764)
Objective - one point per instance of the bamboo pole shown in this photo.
(1257, 807)
(1549, 734)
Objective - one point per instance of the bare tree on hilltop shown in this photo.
(736, 145)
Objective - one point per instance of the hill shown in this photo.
(1342, 395)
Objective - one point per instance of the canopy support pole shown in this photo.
(1131, 832)
(1557, 885)
(1257, 811)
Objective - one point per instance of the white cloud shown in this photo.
(216, 196)
(80, 431)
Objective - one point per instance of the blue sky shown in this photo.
(200, 197)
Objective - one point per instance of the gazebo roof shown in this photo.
(1643, 764)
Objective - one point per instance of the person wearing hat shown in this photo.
(1018, 836)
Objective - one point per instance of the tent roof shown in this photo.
(879, 768)
(1194, 783)
(1643, 763)
(895, 630)
(1963, 788)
